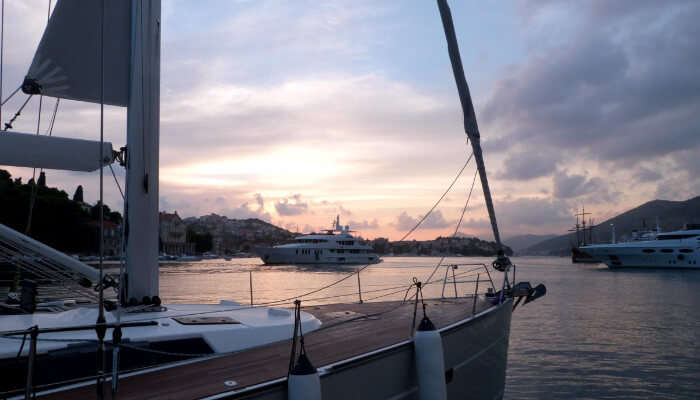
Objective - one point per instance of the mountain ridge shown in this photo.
(672, 216)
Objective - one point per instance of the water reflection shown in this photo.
(598, 333)
(213, 280)
(602, 333)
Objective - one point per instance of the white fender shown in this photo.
(430, 363)
(304, 382)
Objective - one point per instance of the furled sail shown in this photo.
(67, 61)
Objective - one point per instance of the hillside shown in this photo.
(57, 221)
(522, 242)
(672, 216)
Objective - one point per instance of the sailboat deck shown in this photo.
(346, 333)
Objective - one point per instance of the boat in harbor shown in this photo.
(123, 340)
(333, 246)
(677, 249)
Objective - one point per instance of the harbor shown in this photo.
(599, 333)
(208, 146)
(577, 342)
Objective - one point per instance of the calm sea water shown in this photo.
(598, 333)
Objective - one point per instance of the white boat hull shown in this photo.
(644, 255)
(290, 255)
(475, 354)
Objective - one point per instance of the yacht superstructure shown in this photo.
(334, 246)
(677, 249)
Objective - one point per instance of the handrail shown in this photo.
(454, 276)
(78, 328)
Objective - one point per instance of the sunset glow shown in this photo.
(295, 113)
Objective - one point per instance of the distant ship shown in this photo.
(333, 246)
(677, 249)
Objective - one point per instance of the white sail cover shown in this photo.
(67, 61)
(52, 152)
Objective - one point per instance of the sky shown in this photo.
(295, 112)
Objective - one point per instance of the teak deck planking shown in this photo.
(261, 364)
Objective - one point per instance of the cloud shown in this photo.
(308, 228)
(675, 188)
(343, 211)
(532, 213)
(296, 206)
(245, 210)
(624, 89)
(528, 165)
(645, 174)
(434, 221)
(364, 225)
(568, 186)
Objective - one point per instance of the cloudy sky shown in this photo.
(294, 112)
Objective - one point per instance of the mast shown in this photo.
(470, 125)
(143, 121)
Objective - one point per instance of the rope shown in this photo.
(297, 323)
(419, 293)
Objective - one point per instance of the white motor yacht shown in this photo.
(678, 249)
(334, 246)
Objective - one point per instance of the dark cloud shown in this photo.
(259, 200)
(523, 215)
(496, 145)
(528, 165)
(625, 89)
(569, 186)
(531, 212)
(644, 174)
(291, 206)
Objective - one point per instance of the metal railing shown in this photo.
(34, 331)
(453, 279)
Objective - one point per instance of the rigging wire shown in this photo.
(461, 218)
(439, 200)
(403, 238)
(116, 181)
(49, 131)
(35, 186)
(8, 125)
(10, 96)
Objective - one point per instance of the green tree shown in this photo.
(42, 179)
(78, 195)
